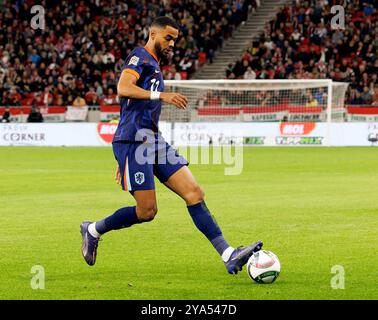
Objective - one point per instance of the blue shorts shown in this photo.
(140, 162)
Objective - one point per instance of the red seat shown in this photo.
(29, 95)
(27, 102)
(184, 75)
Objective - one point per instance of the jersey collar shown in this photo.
(152, 54)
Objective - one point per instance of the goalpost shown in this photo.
(259, 101)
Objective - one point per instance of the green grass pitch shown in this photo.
(314, 207)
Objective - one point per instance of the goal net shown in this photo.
(258, 101)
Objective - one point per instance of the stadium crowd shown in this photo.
(300, 43)
(77, 58)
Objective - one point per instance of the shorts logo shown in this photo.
(134, 60)
(139, 177)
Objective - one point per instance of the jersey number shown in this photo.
(156, 84)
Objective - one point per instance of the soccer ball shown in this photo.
(263, 267)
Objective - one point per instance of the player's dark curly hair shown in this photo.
(162, 22)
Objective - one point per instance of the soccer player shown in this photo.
(137, 139)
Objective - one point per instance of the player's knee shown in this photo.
(195, 195)
(147, 214)
(200, 194)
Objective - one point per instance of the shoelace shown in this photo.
(95, 242)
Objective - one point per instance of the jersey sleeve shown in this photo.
(134, 63)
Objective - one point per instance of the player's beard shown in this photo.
(159, 52)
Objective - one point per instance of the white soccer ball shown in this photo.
(263, 267)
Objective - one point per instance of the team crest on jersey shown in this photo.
(134, 60)
(139, 177)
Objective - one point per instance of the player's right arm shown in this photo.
(127, 88)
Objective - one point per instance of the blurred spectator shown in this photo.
(99, 90)
(78, 101)
(59, 100)
(111, 97)
(46, 98)
(186, 65)
(172, 74)
(299, 43)
(91, 97)
(367, 95)
(311, 101)
(14, 98)
(175, 74)
(229, 70)
(375, 99)
(249, 74)
(320, 96)
(86, 41)
(357, 99)
(6, 116)
(35, 115)
(269, 98)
